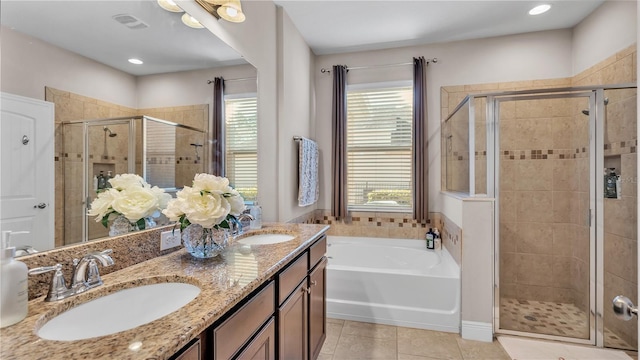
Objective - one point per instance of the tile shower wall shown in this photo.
(539, 168)
(620, 230)
(68, 156)
(108, 153)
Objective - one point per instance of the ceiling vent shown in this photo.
(130, 21)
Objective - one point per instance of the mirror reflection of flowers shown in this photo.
(210, 202)
(130, 196)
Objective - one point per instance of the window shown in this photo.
(241, 145)
(379, 155)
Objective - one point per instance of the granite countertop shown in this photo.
(224, 281)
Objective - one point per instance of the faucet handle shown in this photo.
(93, 274)
(58, 289)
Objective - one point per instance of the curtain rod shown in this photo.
(323, 70)
(232, 80)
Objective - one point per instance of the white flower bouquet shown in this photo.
(130, 196)
(210, 203)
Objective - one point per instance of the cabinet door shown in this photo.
(192, 352)
(317, 309)
(292, 326)
(263, 346)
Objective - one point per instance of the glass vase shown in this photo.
(121, 225)
(204, 242)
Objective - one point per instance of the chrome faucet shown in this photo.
(85, 275)
(85, 271)
(236, 227)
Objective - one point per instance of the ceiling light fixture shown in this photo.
(136, 61)
(169, 5)
(230, 10)
(190, 21)
(540, 9)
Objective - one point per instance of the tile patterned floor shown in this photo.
(543, 317)
(350, 340)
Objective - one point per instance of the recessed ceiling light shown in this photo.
(190, 21)
(540, 9)
(136, 61)
(169, 5)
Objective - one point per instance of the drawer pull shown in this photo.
(314, 283)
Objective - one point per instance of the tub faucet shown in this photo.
(236, 227)
(85, 271)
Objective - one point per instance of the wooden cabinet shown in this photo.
(302, 312)
(230, 336)
(285, 318)
(292, 327)
(194, 351)
(317, 308)
(263, 346)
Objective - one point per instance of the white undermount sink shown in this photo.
(265, 239)
(120, 311)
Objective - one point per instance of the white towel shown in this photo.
(308, 187)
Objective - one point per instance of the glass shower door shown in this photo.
(546, 244)
(619, 231)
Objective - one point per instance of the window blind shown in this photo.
(241, 145)
(379, 133)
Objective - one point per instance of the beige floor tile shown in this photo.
(377, 331)
(478, 350)
(325, 357)
(333, 335)
(335, 321)
(432, 344)
(359, 347)
(412, 357)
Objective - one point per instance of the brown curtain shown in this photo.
(217, 128)
(339, 148)
(420, 142)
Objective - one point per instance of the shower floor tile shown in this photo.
(549, 318)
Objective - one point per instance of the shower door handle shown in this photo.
(624, 308)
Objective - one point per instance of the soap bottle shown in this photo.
(14, 288)
(95, 183)
(256, 212)
(102, 181)
(437, 241)
(618, 187)
(107, 184)
(430, 239)
(610, 180)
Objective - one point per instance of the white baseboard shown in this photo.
(479, 331)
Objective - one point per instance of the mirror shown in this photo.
(78, 51)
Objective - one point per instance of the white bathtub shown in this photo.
(392, 281)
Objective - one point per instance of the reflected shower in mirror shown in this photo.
(86, 75)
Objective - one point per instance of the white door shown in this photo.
(27, 170)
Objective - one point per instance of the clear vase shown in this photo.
(204, 242)
(121, 225)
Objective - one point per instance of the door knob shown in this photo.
(40, 206)
(623, 308)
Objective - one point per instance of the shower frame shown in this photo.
(131, 151)
(596, 115)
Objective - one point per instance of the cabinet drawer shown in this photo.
(317, 251)
(289, 279)
(229, 336)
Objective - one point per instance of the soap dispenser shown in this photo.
(14, 295)
(256, 212)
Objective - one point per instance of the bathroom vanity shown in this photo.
(256, 301)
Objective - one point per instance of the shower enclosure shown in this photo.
(164, 153)
(564, 246)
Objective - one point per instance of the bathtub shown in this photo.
(394, 282)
